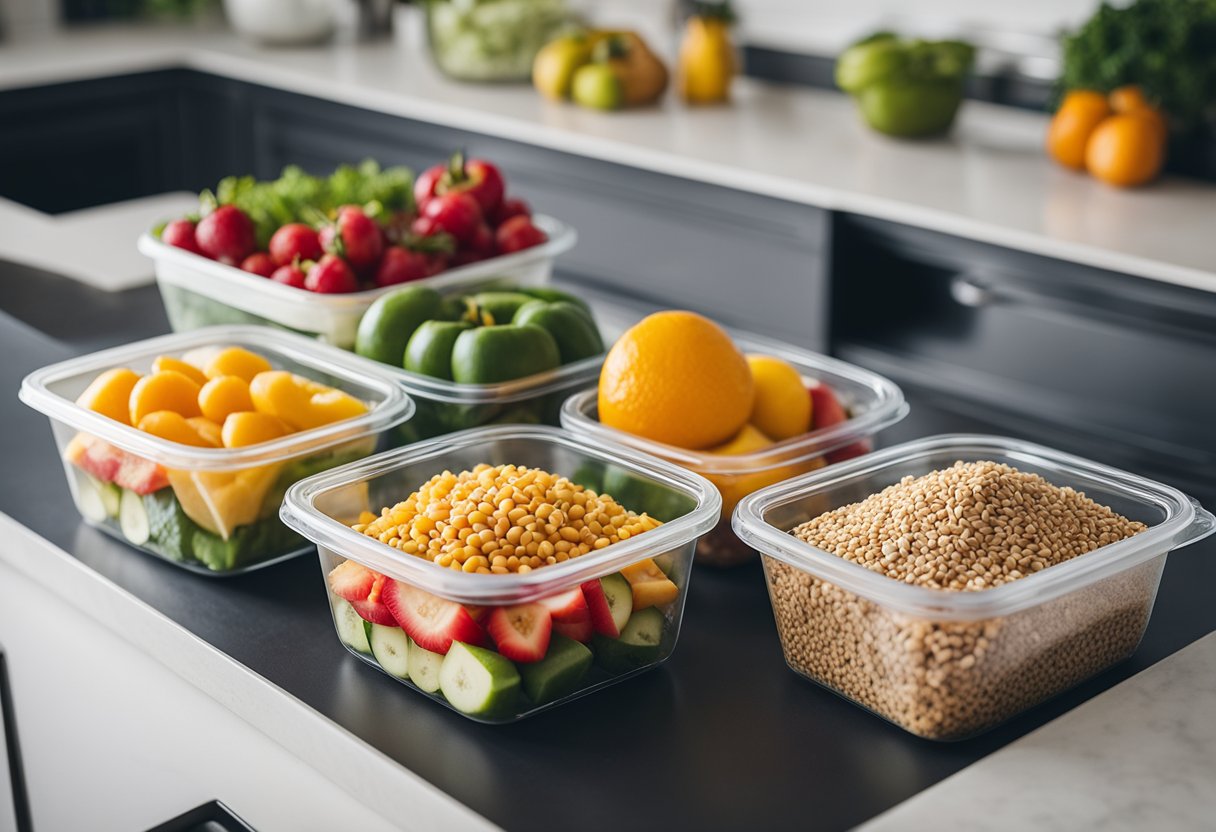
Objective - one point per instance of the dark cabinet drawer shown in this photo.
(1123, 365)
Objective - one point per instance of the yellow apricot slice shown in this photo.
(209, 430)
(168, 362)
(332, 406)
(170, 425)
(166, 390)
(236, 361)
(251, 428)
(223, 395)
(110, 394)
(279, 393)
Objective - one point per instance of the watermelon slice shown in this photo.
(110, 464)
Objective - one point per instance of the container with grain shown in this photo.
(950, 583)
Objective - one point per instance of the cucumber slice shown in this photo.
(559, 673)
(133, 518)
(111, 496)
(478, 682)
(390, 647)
(619, 595)
(350, 626)
(424, 667)
(89, 498)
(638, 645)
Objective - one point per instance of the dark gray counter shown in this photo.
(722, 737)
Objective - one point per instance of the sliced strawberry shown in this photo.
(432, 622)
(826, 409)
(110, 464)
(352, 581)
(374, 612)
(601, 613)
(566, 606)
(578, 628)
(521, 632)
(478, 613)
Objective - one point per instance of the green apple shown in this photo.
(597, 86)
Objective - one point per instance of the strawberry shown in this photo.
(521, 632)
(226, 234)
(566, 605)
(511, 208)
(180, 233)
(826, 409)
(295, 240)
(374, 612)
(258, 263)
(434, 623)
(601, 614)
(331, 276)
(352, 581)
(456, 213)
(355, 237)
(517, 234)
(289, 275)
(401, 265)
(426, 184)
(580, 630)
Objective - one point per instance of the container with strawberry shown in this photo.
(355, 232)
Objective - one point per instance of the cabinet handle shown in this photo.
(16, 773)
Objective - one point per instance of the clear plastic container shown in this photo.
(322, 507)
(493, 40)
(444, 407)
(944, 664)
(209, 510)
(873, 403)
(200, 292)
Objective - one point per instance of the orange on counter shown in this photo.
(678, 378)
(1079, 114)
(1126, 150)
(782, 409)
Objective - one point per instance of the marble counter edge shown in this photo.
(360, 770)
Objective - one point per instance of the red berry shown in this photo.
(180, 233)
(456, 213)
(518, 233)
(355, 237)
(521, 632)
(289, 275)
(426, 183)
(331, 276)
(511, 208)
(258, 263)
(424, 227)
(295, 240)
(226, 234)
(400, 265)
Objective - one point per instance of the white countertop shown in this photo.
(989, 181)
(1142, 755)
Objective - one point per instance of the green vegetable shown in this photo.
(1167, 47)
(905, 87)
(573, 329)
(429, 350)
(387, 325)
(493, 40)
(492, 354)
(297, 196)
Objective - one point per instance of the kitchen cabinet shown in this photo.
(1109, 366)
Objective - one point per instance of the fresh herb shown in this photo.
(1167, 47)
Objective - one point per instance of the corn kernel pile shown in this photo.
(500, 519)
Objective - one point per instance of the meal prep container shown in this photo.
(944, 664)
(201, 292)
(444, 407)
(322, 507)
(872, 401)
(217, 514)
(493, 40)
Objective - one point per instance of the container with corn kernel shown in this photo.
(504, 570)
(950, 583)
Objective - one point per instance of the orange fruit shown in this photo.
(110, 394)
(782, 409)
(678, 378)
(166, 390)
(168, 362)
(1125, 150)
(1130, 99)
(236, 361)
(241, 429)
(170, 425)
(223, 395)
(1079, 115)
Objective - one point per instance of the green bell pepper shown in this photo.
(573, 329)
(503, 352)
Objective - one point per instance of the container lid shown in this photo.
(53, 390)
(300, 512)
(1184, 522)
(874, 401)
(249, 293)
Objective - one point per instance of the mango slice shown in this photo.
(251, 428)
(236, 361)
(166, 390)
(170, 425)
(224, 395)
(208, 430)
(168, 362)
(110, 394)
(651, 586)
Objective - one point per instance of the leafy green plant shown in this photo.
(1168, 47)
